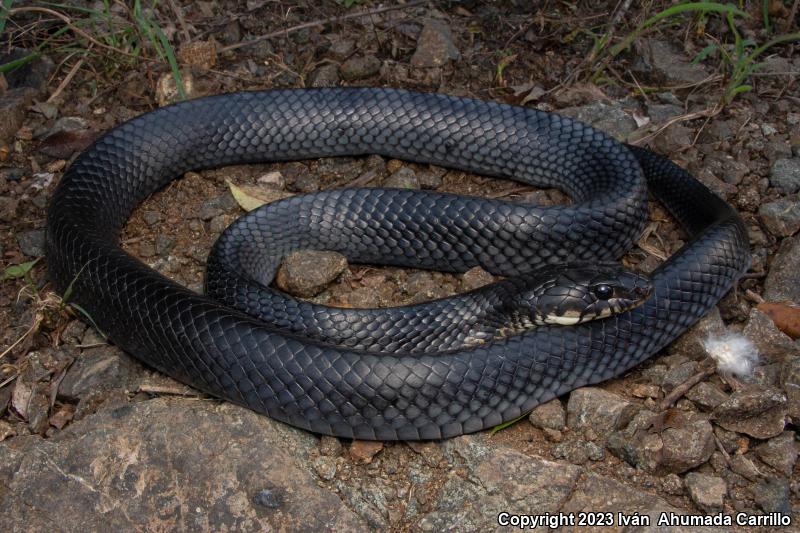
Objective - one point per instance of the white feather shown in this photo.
(733, 352)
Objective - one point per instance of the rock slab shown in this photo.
(167, 465)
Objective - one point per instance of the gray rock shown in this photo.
(216, 206)
(672, 484)
(781, 283)
(772, 343)
(610, 118)
(723, 165)
(306, 273)
(578, 451)
(33, 75)
(603, 412)
(100, 369)
(403, 178)
(687, 446)
(602, 494)
(755, 410)
(781, 217)
(31, 242)
(68, 124)
(325, 467)
(706, 395)
(743, 466)
(707, 492)
(13, 106)
(341, 48)
(153, 464)
(151, 218)
(368, 501)
(790, 381)
(635, 444)
(672, 65)
(164, 244)
(785, 175)
(475, 278)
(773, 496)
(678, 375)
(342, 168)
(8, 209)
(424, 286)
(13, 173)
(659, 113)
(435, 45)
(498, 479)
(324, 76)
(73, 333)
(432, 177)
(360, 67)
(779, 452)
(676, 137)
(549, 415)
(306, 183)
(330, 446)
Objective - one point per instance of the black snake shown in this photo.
(355, 393)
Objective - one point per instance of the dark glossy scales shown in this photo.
(351, 393)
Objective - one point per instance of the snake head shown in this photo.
(573, 293)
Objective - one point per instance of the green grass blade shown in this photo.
(688, 7)
(786, 37)
(18, 271)
(704, 53)
(511, 422)
(85, 313)
(11, 65)
(173, 63)
(6, 6)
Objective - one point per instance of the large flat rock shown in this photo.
(167, 465)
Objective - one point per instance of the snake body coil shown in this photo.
(349, 393)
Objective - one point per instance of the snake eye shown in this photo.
(603, 292)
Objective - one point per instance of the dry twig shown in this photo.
(321, 22)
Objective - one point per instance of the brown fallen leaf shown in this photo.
(786, 316)
(63, 144)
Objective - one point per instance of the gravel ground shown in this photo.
(91, 439)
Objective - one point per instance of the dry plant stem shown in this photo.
(34, 327)
(619, 13)
(9, 380)
(181, 20)
(753, 296)
(162, 389)
(705, 113)
(68, 22)
(66, 80)
(683, 388)
(321, 22)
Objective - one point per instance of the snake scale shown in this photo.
(407, 396)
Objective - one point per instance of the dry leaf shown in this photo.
(785, 316)
(249, 197)
(21, 397)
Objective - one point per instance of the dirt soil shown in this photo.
(64, 391)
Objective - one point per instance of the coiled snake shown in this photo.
(355, 393)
